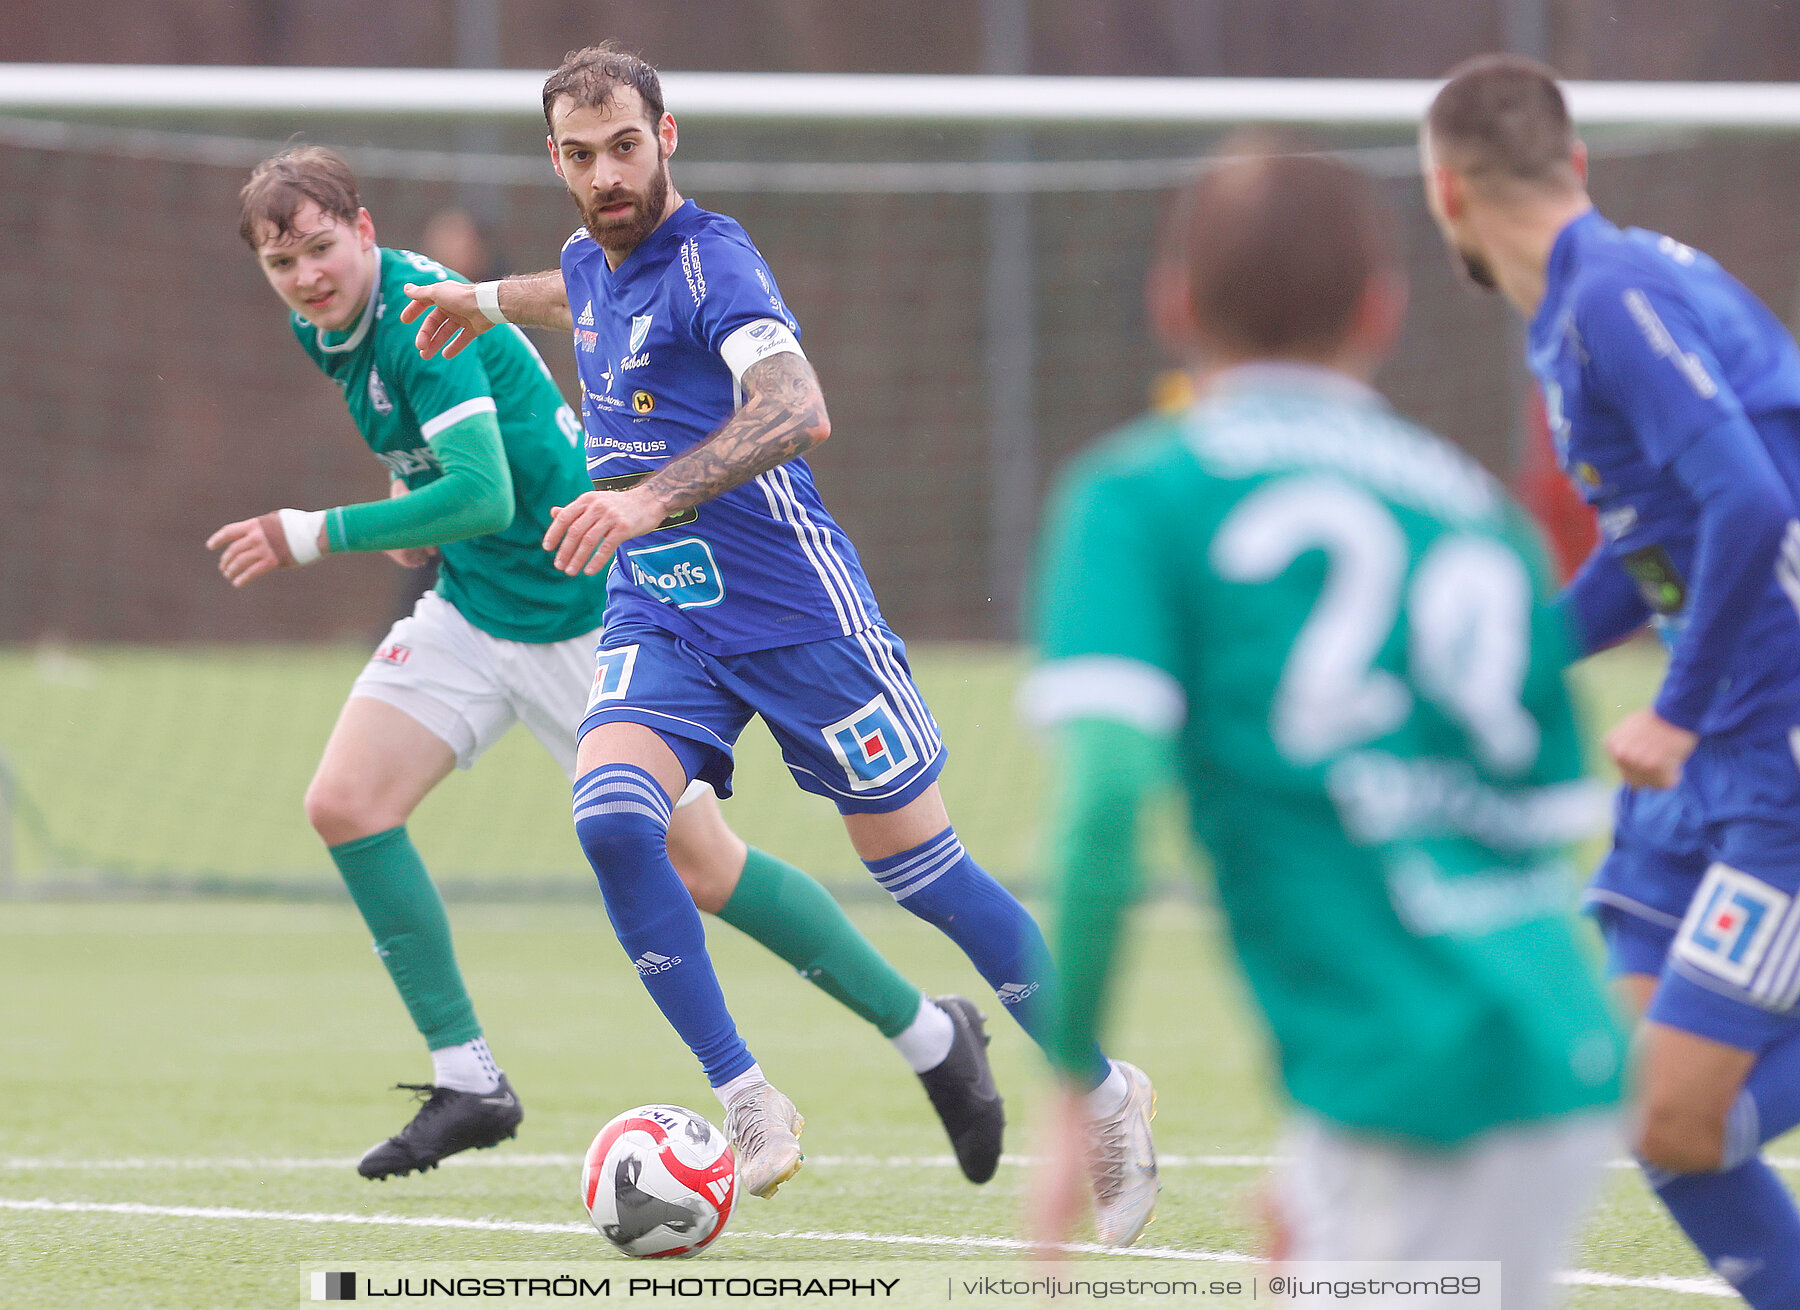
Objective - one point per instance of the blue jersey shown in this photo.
(763, 565)
(1674, 398)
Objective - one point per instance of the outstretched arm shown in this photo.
(782, 416)
(474, 495)
(408, 557)
(456, 316)
(280, 539)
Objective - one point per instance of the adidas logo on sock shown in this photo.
(650, 962)
(1013, 993)
(1734, 1269)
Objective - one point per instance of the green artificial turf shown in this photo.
(216, 1065)
(236, 1056)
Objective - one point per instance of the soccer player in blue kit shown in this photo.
(1674, 398)
(733, 593)
(503, 638)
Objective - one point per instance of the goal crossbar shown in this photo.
(897, 98)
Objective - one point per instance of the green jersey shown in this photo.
(503, 582)
(1340, 624)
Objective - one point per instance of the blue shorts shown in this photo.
(1634, 944)
(1733, 972)
(851, 725)
(1641, 890)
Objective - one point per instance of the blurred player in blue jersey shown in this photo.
(733, 593)
(1674, 397)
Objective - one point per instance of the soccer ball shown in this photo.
(658, 1181)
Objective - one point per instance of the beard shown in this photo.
(625, 231)
(1476, 268)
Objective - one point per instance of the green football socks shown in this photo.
(405, 914)
(791, 914)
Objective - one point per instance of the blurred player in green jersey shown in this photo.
(481, 450)
(1330, 629)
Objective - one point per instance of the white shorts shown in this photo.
(1513, 1194)
(468, 687)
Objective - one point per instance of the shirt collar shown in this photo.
(1564, 252)
(671, 228)
(1292, 377)
(361, 329)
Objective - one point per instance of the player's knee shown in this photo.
(707, 880)
(615, 838)
(708, 856)
(340, 813)
(621, 819)
(1679, 1139)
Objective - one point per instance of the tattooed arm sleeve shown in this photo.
(783, 416)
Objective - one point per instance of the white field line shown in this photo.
(1691, 1286)
(1581, 1277)
(285, 1216)
(524, 1160)
(527, 1160)
(140, 1210)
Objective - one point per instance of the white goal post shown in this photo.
(866, 97)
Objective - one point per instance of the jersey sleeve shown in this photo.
(738, 312)
(452, 401)
(1649, 356)
(1650, 361)
(1602, 604)
(1744, 513)
(439, 392)
(1106, 627)
(474, 496)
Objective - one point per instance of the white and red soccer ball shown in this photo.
(659, 1181)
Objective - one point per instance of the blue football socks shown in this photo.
(622, 820)
(1769, 1104)
(1744, 1222)
(1742, 1217)
(938, 881)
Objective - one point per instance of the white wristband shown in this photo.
(301, 527)
(487, 300)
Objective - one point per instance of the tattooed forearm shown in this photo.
(783, 417)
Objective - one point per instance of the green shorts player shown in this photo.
(1329, 628)
(481, 450)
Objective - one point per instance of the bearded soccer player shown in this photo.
(1331, 638)
(1674, 398)
(480, 447)
(732, 594)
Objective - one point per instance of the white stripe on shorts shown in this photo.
(906, 700)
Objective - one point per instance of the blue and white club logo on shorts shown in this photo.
(612, 674)
(871, 745)
(1729, 925)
